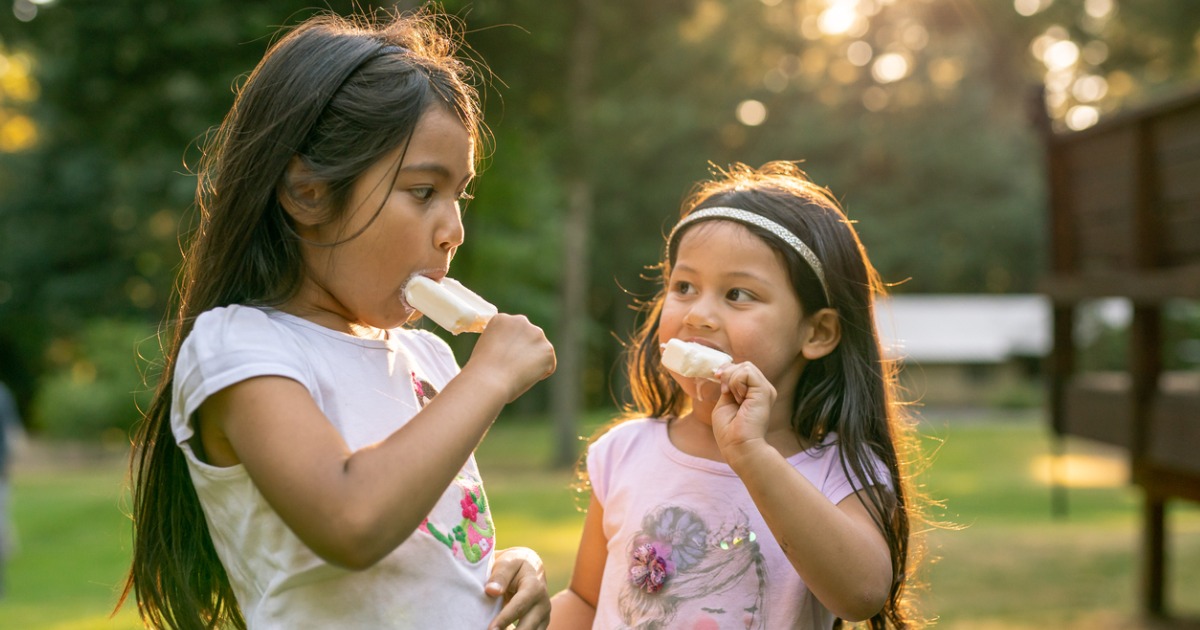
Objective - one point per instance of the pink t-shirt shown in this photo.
(687, 548)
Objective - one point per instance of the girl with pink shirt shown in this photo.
(771, 495)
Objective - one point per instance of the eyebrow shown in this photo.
(736, 274)
(434, 167)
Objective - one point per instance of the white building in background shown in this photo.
(978, 350)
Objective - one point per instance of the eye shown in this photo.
(739, 295)
(422, 193)
(682, 287)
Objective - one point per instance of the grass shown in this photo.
(1007, 562)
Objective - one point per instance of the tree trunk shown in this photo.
(572, 343)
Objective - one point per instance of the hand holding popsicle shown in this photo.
(514, 350)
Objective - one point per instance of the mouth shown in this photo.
(706, 343)
(433, 273)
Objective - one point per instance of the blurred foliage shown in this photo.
(93, 391)
(938, 161)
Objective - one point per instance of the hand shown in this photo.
(743, 411)
(518, 575)
(514, 350)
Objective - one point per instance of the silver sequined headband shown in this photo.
(749, 218)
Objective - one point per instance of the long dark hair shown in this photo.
(339, 93)
(851, 391)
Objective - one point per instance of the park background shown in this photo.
(918, 114)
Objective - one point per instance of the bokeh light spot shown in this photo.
(751, 113)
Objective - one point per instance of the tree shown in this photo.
(912, 112)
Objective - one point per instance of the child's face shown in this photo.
(729, 290)
(417, 231)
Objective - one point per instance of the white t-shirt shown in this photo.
(368, 389)
(690, 519)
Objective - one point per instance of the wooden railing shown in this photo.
(1124, 221)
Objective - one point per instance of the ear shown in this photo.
(822, 335)
(300, 196)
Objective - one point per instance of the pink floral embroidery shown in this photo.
(651, 566)
(470, 510)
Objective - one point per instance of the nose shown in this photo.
(701, 314)
(450, 232)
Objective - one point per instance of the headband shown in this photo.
(757, 220)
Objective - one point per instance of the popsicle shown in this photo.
(692, 359)
(449, 304)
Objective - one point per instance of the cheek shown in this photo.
(671, 317)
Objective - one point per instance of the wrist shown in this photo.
(743, 456)
(485, 384)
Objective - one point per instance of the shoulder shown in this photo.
(625, 434)
(827, 466)
(240, 341)
(626, 441)
(236, 324)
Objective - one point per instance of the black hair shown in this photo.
(338, 94)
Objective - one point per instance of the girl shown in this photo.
(307, 462)
(772, 496)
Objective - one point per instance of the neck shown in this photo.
(692, 433)
(333, 321)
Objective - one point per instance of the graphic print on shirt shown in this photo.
(685, 572)
(466, 529)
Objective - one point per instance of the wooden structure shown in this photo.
(1124, 220)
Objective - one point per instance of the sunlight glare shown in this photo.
(1082, 117)
(1061, 55)
(1058, 81)
(16, 79)
(17, 133)
(945, 72)
(890, 67)
(1027, 8)
(915, 36)
(1089, 88)
(1120, 84)
(751, 113)
(1055, 100)
(838, 19)
(1081, 471)
(1098, 8)
(810, 28)
(859, 53)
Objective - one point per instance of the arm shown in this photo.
(353, 508)
(837, 550)
(575, 607)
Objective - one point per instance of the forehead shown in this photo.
(720, 233)
(728, 246)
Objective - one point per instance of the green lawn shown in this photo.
(1004, 561)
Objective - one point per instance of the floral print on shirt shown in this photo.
(466, 529)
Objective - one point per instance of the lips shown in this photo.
(433, 273)
(707, 343)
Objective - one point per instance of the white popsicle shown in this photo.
(692, 359)
(449, 304)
